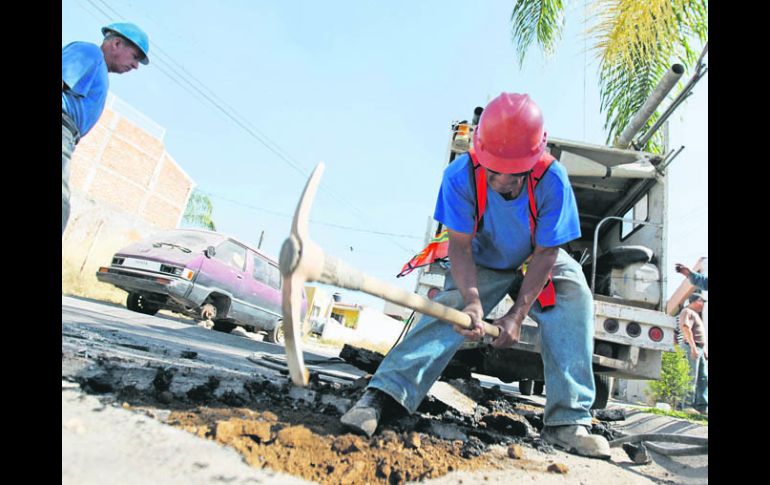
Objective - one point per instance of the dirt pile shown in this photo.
(299, 437)
(315, 451)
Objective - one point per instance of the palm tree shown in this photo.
(636, 42)
(198, 211)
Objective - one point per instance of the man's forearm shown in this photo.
(463, 271)
(538, 270)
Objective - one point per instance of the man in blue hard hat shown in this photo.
(84, 86)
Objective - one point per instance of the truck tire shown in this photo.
(603, 388)
(526, 387)
(138, 303)
(539, 386)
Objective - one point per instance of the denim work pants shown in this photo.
(67, 147)
(699, 373)
(566, 333)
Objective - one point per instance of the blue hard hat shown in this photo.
(132, 33)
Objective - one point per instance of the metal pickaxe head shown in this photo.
(300, 261)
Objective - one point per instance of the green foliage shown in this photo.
(698, 418)
(675, 381)
(541, 19)
(636, 42)
(199, 212)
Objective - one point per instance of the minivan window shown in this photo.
(266, 272)
(231, 254)
(275, 276)
(260, 269)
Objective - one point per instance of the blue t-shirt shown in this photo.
(83, 69)
(504, 240)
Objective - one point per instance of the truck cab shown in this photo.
(622, 203)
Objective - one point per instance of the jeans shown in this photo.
(566, 332)
(67, 147)
(699, 373)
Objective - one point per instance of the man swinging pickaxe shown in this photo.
(303, 261)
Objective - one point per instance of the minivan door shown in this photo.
(225, 273)
(264, 290)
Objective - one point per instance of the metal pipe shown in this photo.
(663, 167)
(665, 85)
(686, 92)
(596, 243)
(476, 115)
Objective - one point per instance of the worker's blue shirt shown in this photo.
(504, 241)
(83, 69)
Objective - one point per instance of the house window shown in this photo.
(640, 212)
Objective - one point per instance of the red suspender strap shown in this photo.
(547, 296)
(480, 180)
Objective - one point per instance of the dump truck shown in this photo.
(622, 202)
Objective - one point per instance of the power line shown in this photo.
(290, 216)
(233, 115)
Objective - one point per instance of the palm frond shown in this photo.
(541, 20)
(199, 211)
(636, 43)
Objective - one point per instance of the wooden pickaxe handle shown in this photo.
(338, 273)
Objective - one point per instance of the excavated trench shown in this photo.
(276, 425)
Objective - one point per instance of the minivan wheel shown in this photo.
(208, 311)
(138, 303)
(276, 336)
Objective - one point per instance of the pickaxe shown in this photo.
(303, 261)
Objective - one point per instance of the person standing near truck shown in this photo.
(695, 344)
(84, 86)
(530, 210)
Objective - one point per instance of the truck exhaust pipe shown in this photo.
(650, 105)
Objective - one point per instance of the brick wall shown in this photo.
(124, 186)
(120, 165)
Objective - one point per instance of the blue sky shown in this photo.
(370, 88)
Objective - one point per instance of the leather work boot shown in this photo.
(365, 414)
(576, 439)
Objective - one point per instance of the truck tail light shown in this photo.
(633, 329)
(656, 334)
(611, 325)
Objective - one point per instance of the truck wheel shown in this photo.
(275, 336)
(138, 303)
(539, 386)
(603, 388)
(525, 387)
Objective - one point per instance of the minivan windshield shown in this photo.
(187, 241)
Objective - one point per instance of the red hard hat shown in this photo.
(510, 136)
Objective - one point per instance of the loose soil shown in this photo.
(307, 440)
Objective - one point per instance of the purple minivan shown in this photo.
(202, 274)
